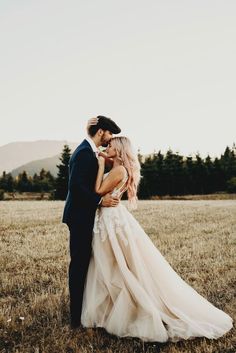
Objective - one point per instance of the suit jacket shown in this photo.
(82, 201)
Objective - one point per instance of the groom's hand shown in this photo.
(109, 201)
(91, 121)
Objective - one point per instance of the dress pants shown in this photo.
(80, 253)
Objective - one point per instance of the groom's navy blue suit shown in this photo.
(79, 212)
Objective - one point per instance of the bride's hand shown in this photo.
(103, 154)
(101, 161)
(108, 160)
(92, 121)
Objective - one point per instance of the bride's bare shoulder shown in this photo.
(118, 172)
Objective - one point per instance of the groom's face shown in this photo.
(106, 138)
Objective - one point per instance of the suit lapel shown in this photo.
(88, 144)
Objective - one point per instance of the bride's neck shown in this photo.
(116, 162)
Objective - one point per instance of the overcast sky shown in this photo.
(164, 70)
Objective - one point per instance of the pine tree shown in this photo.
(42, 174)
(24, 184)
(158, 170)
(189, 175)
(36, 183)
(50, 180)
(199, 174)
(10, 183)
(63, 174)
(140, 157)
(3, 181)
(209, 181)
(218, 175)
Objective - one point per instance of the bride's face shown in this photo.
(110, 150)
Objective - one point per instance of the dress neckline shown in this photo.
(117, 190)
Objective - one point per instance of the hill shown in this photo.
(16, 154)
(48, 164)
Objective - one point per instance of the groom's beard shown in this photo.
(104, 143)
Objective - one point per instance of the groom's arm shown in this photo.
(78, 179)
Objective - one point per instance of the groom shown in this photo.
(80, 207)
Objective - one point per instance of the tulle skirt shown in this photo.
(131, 290)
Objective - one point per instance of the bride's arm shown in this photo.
(101, 168)
(115, 176)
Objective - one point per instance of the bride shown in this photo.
(130, 289)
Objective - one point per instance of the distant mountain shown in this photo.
(49, 164)
(16, 154)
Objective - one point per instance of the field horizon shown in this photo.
(26, 196)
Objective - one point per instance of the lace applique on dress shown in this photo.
(108, 219)
(108, 224)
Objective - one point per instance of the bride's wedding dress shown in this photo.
(131, 290)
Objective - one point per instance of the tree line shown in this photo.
(162, 174)
(173, 174)
(42, 182)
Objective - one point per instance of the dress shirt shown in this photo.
(93, 146)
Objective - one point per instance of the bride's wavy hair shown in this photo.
(129, 159)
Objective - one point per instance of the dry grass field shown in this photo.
(198, 239)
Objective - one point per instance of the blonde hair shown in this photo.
(129, 160)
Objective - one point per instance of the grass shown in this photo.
(198, 239)
(23, 196)
(215, 196)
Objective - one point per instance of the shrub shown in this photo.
(1, 194)
(231, 185)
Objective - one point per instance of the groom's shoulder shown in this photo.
(83, 148)
(84, 145)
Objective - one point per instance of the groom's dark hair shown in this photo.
(104, 123)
